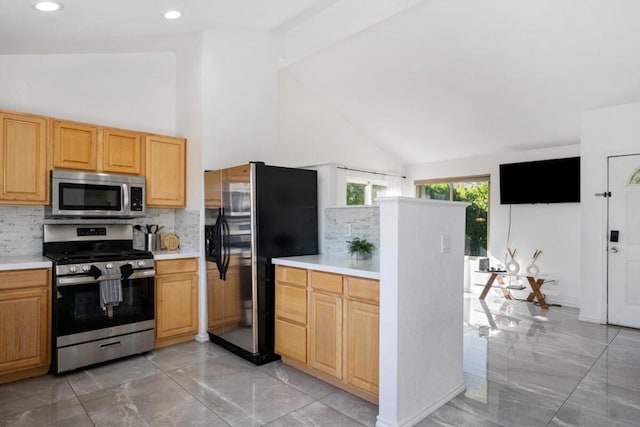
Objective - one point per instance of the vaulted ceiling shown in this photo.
(426, 80)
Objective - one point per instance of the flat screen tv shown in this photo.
(543, 181)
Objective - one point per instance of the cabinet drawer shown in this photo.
(365, 289)
(15, 279)
(294, 276)
(291, 340)
(328, 282)
(172, 266)
(291, 303)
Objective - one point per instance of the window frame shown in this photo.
(368, 189)
(419, 188)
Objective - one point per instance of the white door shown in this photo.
(624, 255)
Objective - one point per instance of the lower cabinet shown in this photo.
(363, 322)
(25, 325)
(328, 326)
(325, 333)
(176, 301)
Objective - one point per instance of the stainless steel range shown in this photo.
(91, 264)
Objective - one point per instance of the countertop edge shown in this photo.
(7, 265)
(327, 268)
(166, 255)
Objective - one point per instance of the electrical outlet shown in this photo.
(445, 245)
(347, 230)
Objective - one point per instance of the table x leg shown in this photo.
(536, 293)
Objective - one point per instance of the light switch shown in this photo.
(445, 243)
(347, 230)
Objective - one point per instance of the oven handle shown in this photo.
(80, 280)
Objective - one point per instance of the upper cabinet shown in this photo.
(75, 145)
(165, 170)
(31, 145)
(121, 151)
(94, 148)
(23, 150)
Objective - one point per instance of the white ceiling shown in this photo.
(426, 80)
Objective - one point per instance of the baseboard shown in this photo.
(201, 338)
(591, 320)
(380, 422)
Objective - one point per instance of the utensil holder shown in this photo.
(151, 242)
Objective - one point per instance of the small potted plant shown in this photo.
(362, 248)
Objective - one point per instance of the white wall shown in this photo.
(605, 132)
(131, 91)
(554, 228)
(239, 92)
(189, 115)
(312, 132)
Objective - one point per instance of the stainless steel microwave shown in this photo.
(96, 195)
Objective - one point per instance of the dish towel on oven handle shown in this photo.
(110, 291)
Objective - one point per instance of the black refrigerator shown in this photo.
(253, 213)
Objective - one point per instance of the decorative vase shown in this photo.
(533, 270)
(512, 266)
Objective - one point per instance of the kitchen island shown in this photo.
(327, 320)
(368, 268)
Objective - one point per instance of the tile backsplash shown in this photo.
(21, 230)
(187, 227)
(364, 222)
(21, 227)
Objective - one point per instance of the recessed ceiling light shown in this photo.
(172, 14)
(47, 6)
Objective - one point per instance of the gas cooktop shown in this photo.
(90, 256)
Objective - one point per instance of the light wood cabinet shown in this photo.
(291, 313)
(165, 170)
(75, 145)
(31, 145)
(94, 148)
(25, 326)
(24, 177)
(325, 333)
(223, 298)
(176, 301)
(363, 322)
(121, 151)
(340, 330)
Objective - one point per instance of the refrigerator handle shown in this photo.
(225, 249)
(217, 247)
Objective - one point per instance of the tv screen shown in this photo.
(543, 181)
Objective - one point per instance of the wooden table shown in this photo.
(534, 283)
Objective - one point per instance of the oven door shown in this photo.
(78, 316)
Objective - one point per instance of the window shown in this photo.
(361, 192)
(635, 179)
(474, 190)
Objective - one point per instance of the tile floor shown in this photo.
(523, 367)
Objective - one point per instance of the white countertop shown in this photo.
(369, 269)
(23, 262)
(162, 255)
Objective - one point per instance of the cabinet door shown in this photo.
(121, 151)
(325, 333)
(75, 146)
(165, 170)
(291, 340)
(176, 304)
(24, 329)
(363, 331)
(23, 149)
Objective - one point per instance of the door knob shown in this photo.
(614, 250)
